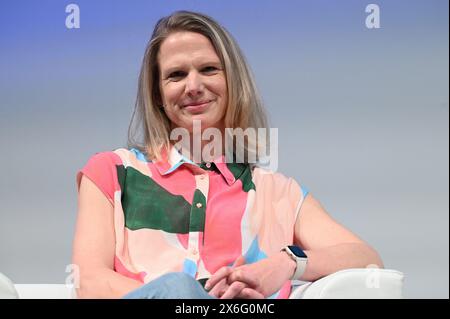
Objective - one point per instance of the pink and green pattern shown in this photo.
(175, 215)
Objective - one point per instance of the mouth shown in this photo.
(196, 107)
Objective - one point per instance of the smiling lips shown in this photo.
(196, 107)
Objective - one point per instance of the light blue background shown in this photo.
(362, 117)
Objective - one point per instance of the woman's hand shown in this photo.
(219, 285)
(258, 280)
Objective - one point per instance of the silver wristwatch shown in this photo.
(299, 256)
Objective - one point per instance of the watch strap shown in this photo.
(300, 263)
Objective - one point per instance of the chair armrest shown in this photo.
(358, 283)
(7, 290)
(364, 283)
(45, 291)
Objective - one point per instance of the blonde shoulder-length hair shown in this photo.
(149, 129)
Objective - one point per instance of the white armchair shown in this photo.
(364, 283)
(370, 283)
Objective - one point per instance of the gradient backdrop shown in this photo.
(362, 116)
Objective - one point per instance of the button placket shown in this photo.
(197, 219)
(198, 214)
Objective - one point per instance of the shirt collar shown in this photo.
(173, 160)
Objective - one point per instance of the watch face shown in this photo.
(297, 251)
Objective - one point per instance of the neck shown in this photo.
(201, 150)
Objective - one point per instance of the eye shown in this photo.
(176, 75)
(210, 69)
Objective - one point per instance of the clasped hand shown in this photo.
(251, 281)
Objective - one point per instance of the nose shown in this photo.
(194, 84)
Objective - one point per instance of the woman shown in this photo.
(158, 220)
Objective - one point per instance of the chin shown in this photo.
(204, 124)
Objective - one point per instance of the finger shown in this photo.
(243, 275)
(219, 288)
(218, 276)
(221, 273)
(249, 293)
(233, 290)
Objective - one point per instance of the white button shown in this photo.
(202, 177)
(208, 165)
(199, 205)
(194, 251)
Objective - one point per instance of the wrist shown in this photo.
(290, 264)
(300, 259)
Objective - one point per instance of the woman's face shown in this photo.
(192, 81)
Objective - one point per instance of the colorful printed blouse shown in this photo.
(178, 216)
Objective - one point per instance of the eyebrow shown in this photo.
(175, 67)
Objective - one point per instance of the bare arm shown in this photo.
(330, 247)
(94, 244)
